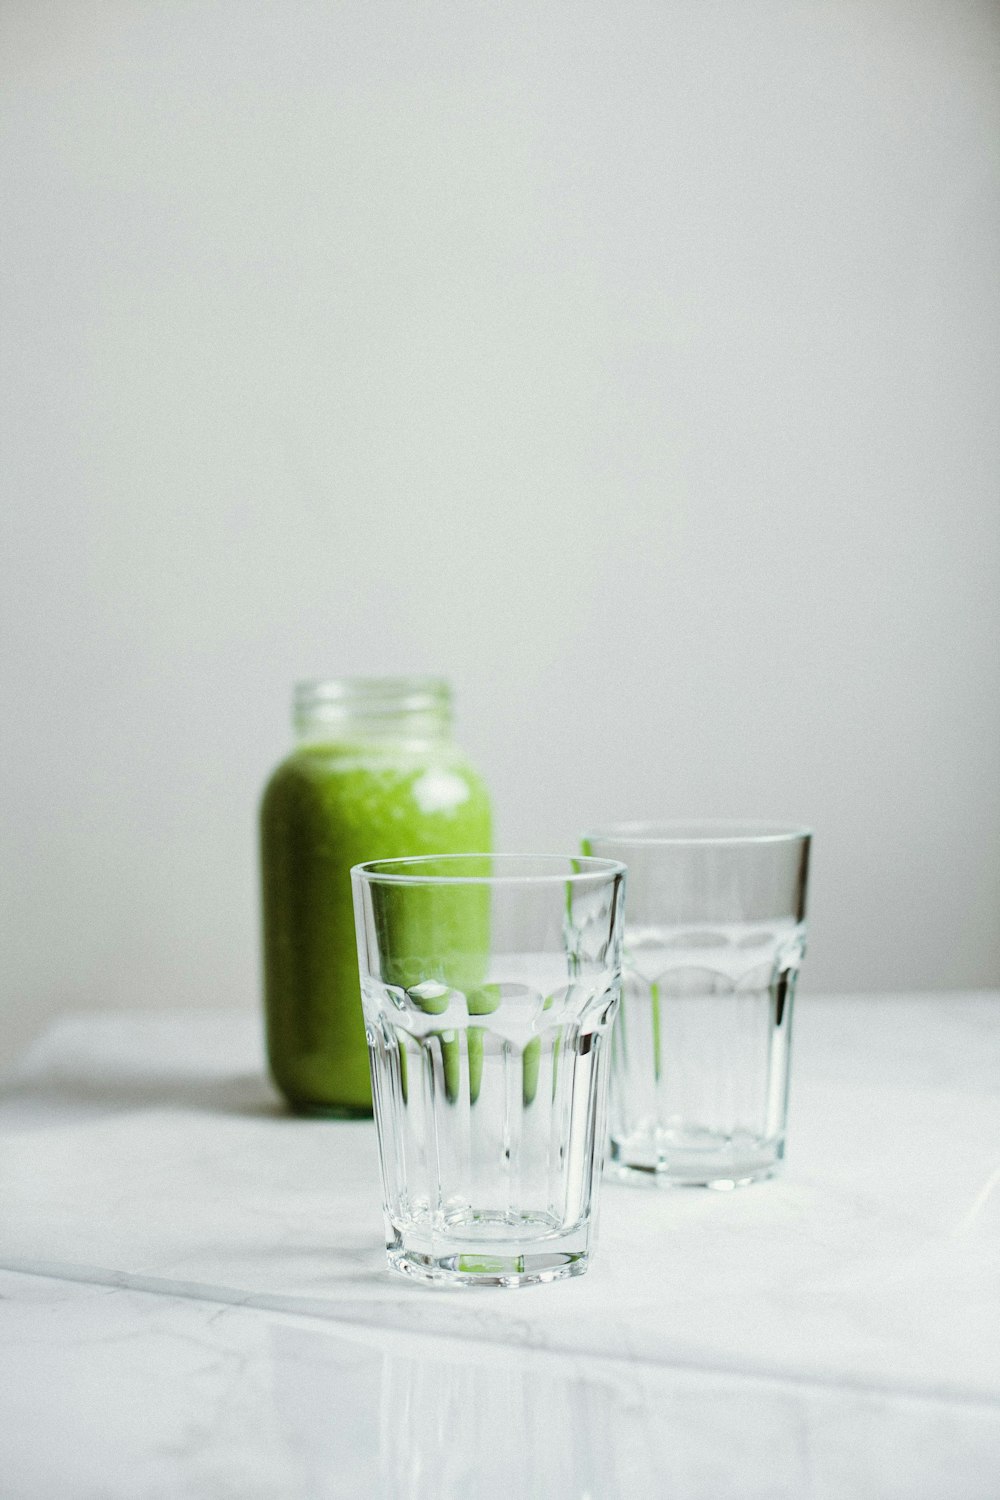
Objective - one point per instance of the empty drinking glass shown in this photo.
(714, 937)
(489, 984)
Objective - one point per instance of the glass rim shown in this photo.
(394, 871)
(698, 833)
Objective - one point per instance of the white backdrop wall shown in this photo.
(634, 364)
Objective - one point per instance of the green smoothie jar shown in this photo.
(375, 774)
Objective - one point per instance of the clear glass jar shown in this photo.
(375, 775)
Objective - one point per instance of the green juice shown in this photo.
(432, 941)
(327, 807)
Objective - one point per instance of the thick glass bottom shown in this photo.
(714, 1161)
(489, 1249)
(474, 1268)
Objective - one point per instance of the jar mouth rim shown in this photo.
(697, 833)
(349, 689)
(514, 869)
(321, 700)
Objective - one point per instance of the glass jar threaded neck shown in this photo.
(372, 708)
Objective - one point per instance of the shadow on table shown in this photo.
(67, 1091)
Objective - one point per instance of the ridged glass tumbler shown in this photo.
(489, 984)
(702, 1046)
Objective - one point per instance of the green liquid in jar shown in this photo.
(326, 808)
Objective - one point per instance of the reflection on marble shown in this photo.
(129, 1394)
(196, 1301)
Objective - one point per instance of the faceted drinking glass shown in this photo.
(714, 938)
(489, 984)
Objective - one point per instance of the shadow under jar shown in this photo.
(701, 1050)
(489, 984)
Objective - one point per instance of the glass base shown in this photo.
(665, 1178)
(721, 1163)
(467, 1268)
(477, 1247)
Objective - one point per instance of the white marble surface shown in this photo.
(193, 1298)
